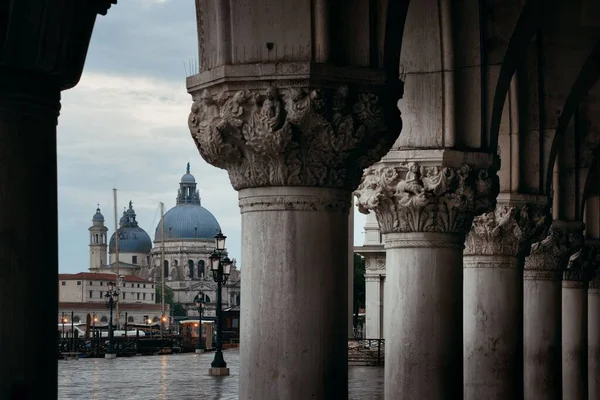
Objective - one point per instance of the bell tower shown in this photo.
(98, 242)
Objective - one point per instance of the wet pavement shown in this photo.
(180, 376)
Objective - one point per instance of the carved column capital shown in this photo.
(552, 253)
(411, 197)
(509, 230)
(292, 133)
(583, 264)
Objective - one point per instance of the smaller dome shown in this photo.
(188, 178)
(98, 217)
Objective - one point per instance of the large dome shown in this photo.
(132, 238)
(188, 221)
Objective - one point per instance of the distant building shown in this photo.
(84, 293)
(374, 253)
(189, 231)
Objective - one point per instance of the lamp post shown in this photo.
(220, 266)
(199, 299)
(63, 319)
(112, 297)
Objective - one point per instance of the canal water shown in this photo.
(178, 376)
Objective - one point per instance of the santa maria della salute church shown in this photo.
(189, 230)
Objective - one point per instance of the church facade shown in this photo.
(188, 230)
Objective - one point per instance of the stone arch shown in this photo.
(201, 269)
(586, 79)
(104, 318)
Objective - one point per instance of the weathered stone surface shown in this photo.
(552, 253)
(508, 230)
(409, 197)
(294, 136)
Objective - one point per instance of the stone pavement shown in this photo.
(181, 377)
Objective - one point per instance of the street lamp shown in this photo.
(199, 299)
(112, 297)
(63, 319)
(220, 265)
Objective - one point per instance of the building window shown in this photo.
(152, 296)
(152, 286)
(104, 319)
(123, 295)
(101, 283)
(130, 319)
(90, 283)
(166, 269)
(76, 319)
(134, 260)
(144, 286)
(101, 294)
(91, 293)
(63, 283)
(132, 285)
(144, 296)
(138, 296)
(78, 283)
(123, 284)
(138, 285)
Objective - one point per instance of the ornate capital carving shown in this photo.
(583, 264)
(413, 198)
(508, 230)
(295, 136)
(553, 252)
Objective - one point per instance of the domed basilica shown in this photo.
(188, 230)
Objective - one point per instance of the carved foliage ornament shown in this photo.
(412, 198)
(292, 137)
(553, 252)
(508, 230)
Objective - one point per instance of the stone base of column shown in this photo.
(294, 342)
(423, 310)
(594, 339)
(491, 327)
(110, 356)
(574, 332)
(218, 371)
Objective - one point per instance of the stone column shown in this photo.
(294, 149)
(492, 296)
(574, 334)
(542, 309)
(425, 209)
(593, 330)
(43, 45)
(373, 303)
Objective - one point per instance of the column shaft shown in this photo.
(574, 333)
(541, 335)
(29, 107)
(294, 330)
(423, 310)
(491, 327)
(373, 307)
(594, 342)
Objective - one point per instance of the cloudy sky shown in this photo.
(124, 126)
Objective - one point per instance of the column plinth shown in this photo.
(575, 370)
(542, 306)
(492, 297)
(594, 327)
(425, 209)
(294, 139)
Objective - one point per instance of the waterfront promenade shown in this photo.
(179, 376)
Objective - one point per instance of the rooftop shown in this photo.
(91, 276)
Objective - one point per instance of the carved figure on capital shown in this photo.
(291, 137)
(508, 230)
(553, 252)
(412, 198)
(583, 264)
